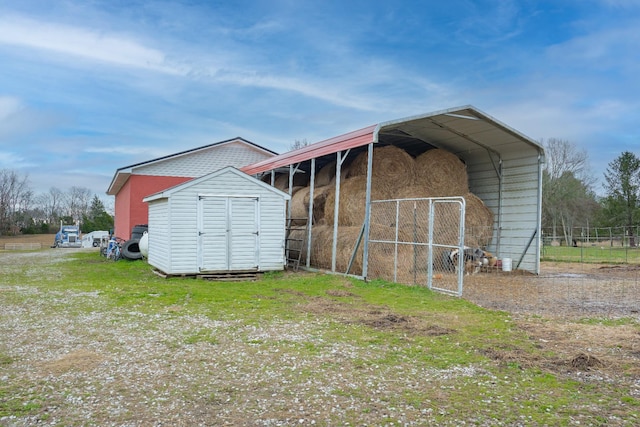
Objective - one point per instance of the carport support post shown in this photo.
(336, 210)
(312, 183)
(289, 193)
(292, 172)
(367, 211)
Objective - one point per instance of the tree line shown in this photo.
(569, 200)
(24, 212)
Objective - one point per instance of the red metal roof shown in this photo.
(349, 140)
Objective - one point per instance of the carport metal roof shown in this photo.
(460, 130)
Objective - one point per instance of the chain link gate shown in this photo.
(413, 241)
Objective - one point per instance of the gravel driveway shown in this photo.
(83, 362)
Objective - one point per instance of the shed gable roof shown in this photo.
(229, 169)
(173, 164)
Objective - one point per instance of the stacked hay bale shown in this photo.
(395, 175)
(392, 169)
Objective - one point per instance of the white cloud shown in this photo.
(8, 107)
(601, 49)
(114, 49)
(9, 160)
(126, 150)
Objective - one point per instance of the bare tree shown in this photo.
(14, 194)
(563, 156)
(298, 144)
(567, 195)
(78, 201)
(51, 204)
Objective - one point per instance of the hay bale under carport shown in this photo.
(352, 199)
(282, 181)
(326, 175)
(301, 199)
(322, 245)
(442, 172)
(389, 163)
(478, 224)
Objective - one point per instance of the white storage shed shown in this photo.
(223, 222)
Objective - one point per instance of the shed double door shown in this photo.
(228, 233)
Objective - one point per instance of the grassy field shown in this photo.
(592, 254)
(85, 341)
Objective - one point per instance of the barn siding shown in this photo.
(194, 164)
(158, 175)
(130, 210)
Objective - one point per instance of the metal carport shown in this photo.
(504, 169)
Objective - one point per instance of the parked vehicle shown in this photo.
(93, 239)
(68, 237)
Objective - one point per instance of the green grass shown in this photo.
(446, 333)
(591, 254)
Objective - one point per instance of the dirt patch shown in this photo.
(570, 348)
(340, 293)
(584, 362)
(79, 360)
(562, 289)
(383, 320)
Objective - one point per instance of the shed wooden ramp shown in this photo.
(236, 276)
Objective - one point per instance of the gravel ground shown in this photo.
(109, 367)
(127, 368)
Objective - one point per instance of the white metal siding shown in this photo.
(244, 233)
(184, 238)
(200, 163)
(159, 239)
(519, 214)
(213, 244)
(272, 213)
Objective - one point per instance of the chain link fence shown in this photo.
(592, 245)
(411, 241)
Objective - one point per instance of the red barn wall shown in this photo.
(130, 210)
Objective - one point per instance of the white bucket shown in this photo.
(506, 264)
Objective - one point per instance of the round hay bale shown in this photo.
(322, 244)
(414, 191)
(300, 204)
(319, 199)
(294, 190)
(478, 222)
(282, 181)
(390, 163)
(326, 175)
(299, 212)
(443, 172)
(352, 200)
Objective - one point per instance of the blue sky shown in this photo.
(89, 86)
